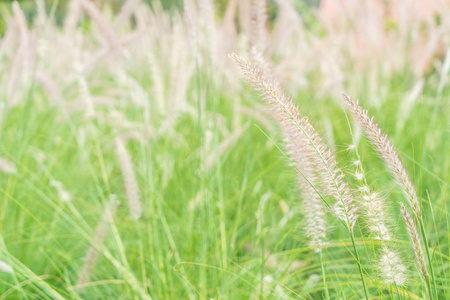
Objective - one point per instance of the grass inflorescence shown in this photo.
(137, 161)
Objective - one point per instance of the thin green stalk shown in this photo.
(325, 286)
(428, 287)
(425, 241)
(261, 272)
(359, 265)
(398, 291)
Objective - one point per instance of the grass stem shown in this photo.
(431, 281)
(324, 278)
(360, 267)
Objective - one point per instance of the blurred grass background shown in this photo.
(60, 7)
(222, 215)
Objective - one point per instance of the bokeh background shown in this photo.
(137, 163)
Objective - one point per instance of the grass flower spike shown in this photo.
(415, 241)
(140, 160)
(305, 138)
(306, 143)
(387, 153)
(129, 177)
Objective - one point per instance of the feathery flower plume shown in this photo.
(101, 230)
(258, 60)
(41, 18)
(313, 206)
(24, 55)
(50, 86)
(4, 267)
(315, 227)
(84, 90)
(390, 264)
(258, 24)
(109, 36)
(387, 153)
(63, 194)
(391, 267)
(313, 209)
(125, 11)
(7, 167)
(157, 83)
(415, 241)
(189, 15)
(303, 136)
(376, 216)
(206, 15)
(72, 17)
(131, 185)
(21, 21)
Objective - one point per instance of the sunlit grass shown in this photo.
(221, 211)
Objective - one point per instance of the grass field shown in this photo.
(138, 163)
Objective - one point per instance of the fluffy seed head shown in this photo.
(101, 230)
(7, 167)
(303, 135)
(389, 263)
(386, 151)
(391, 267)
(131, 185)
(4, 267)
(415, 241)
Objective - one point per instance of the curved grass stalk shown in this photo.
(304, 135)
(387, 152)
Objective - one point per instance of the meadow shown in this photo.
(217, 151)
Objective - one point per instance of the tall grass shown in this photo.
(136, 163)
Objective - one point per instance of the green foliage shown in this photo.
(218, 222)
